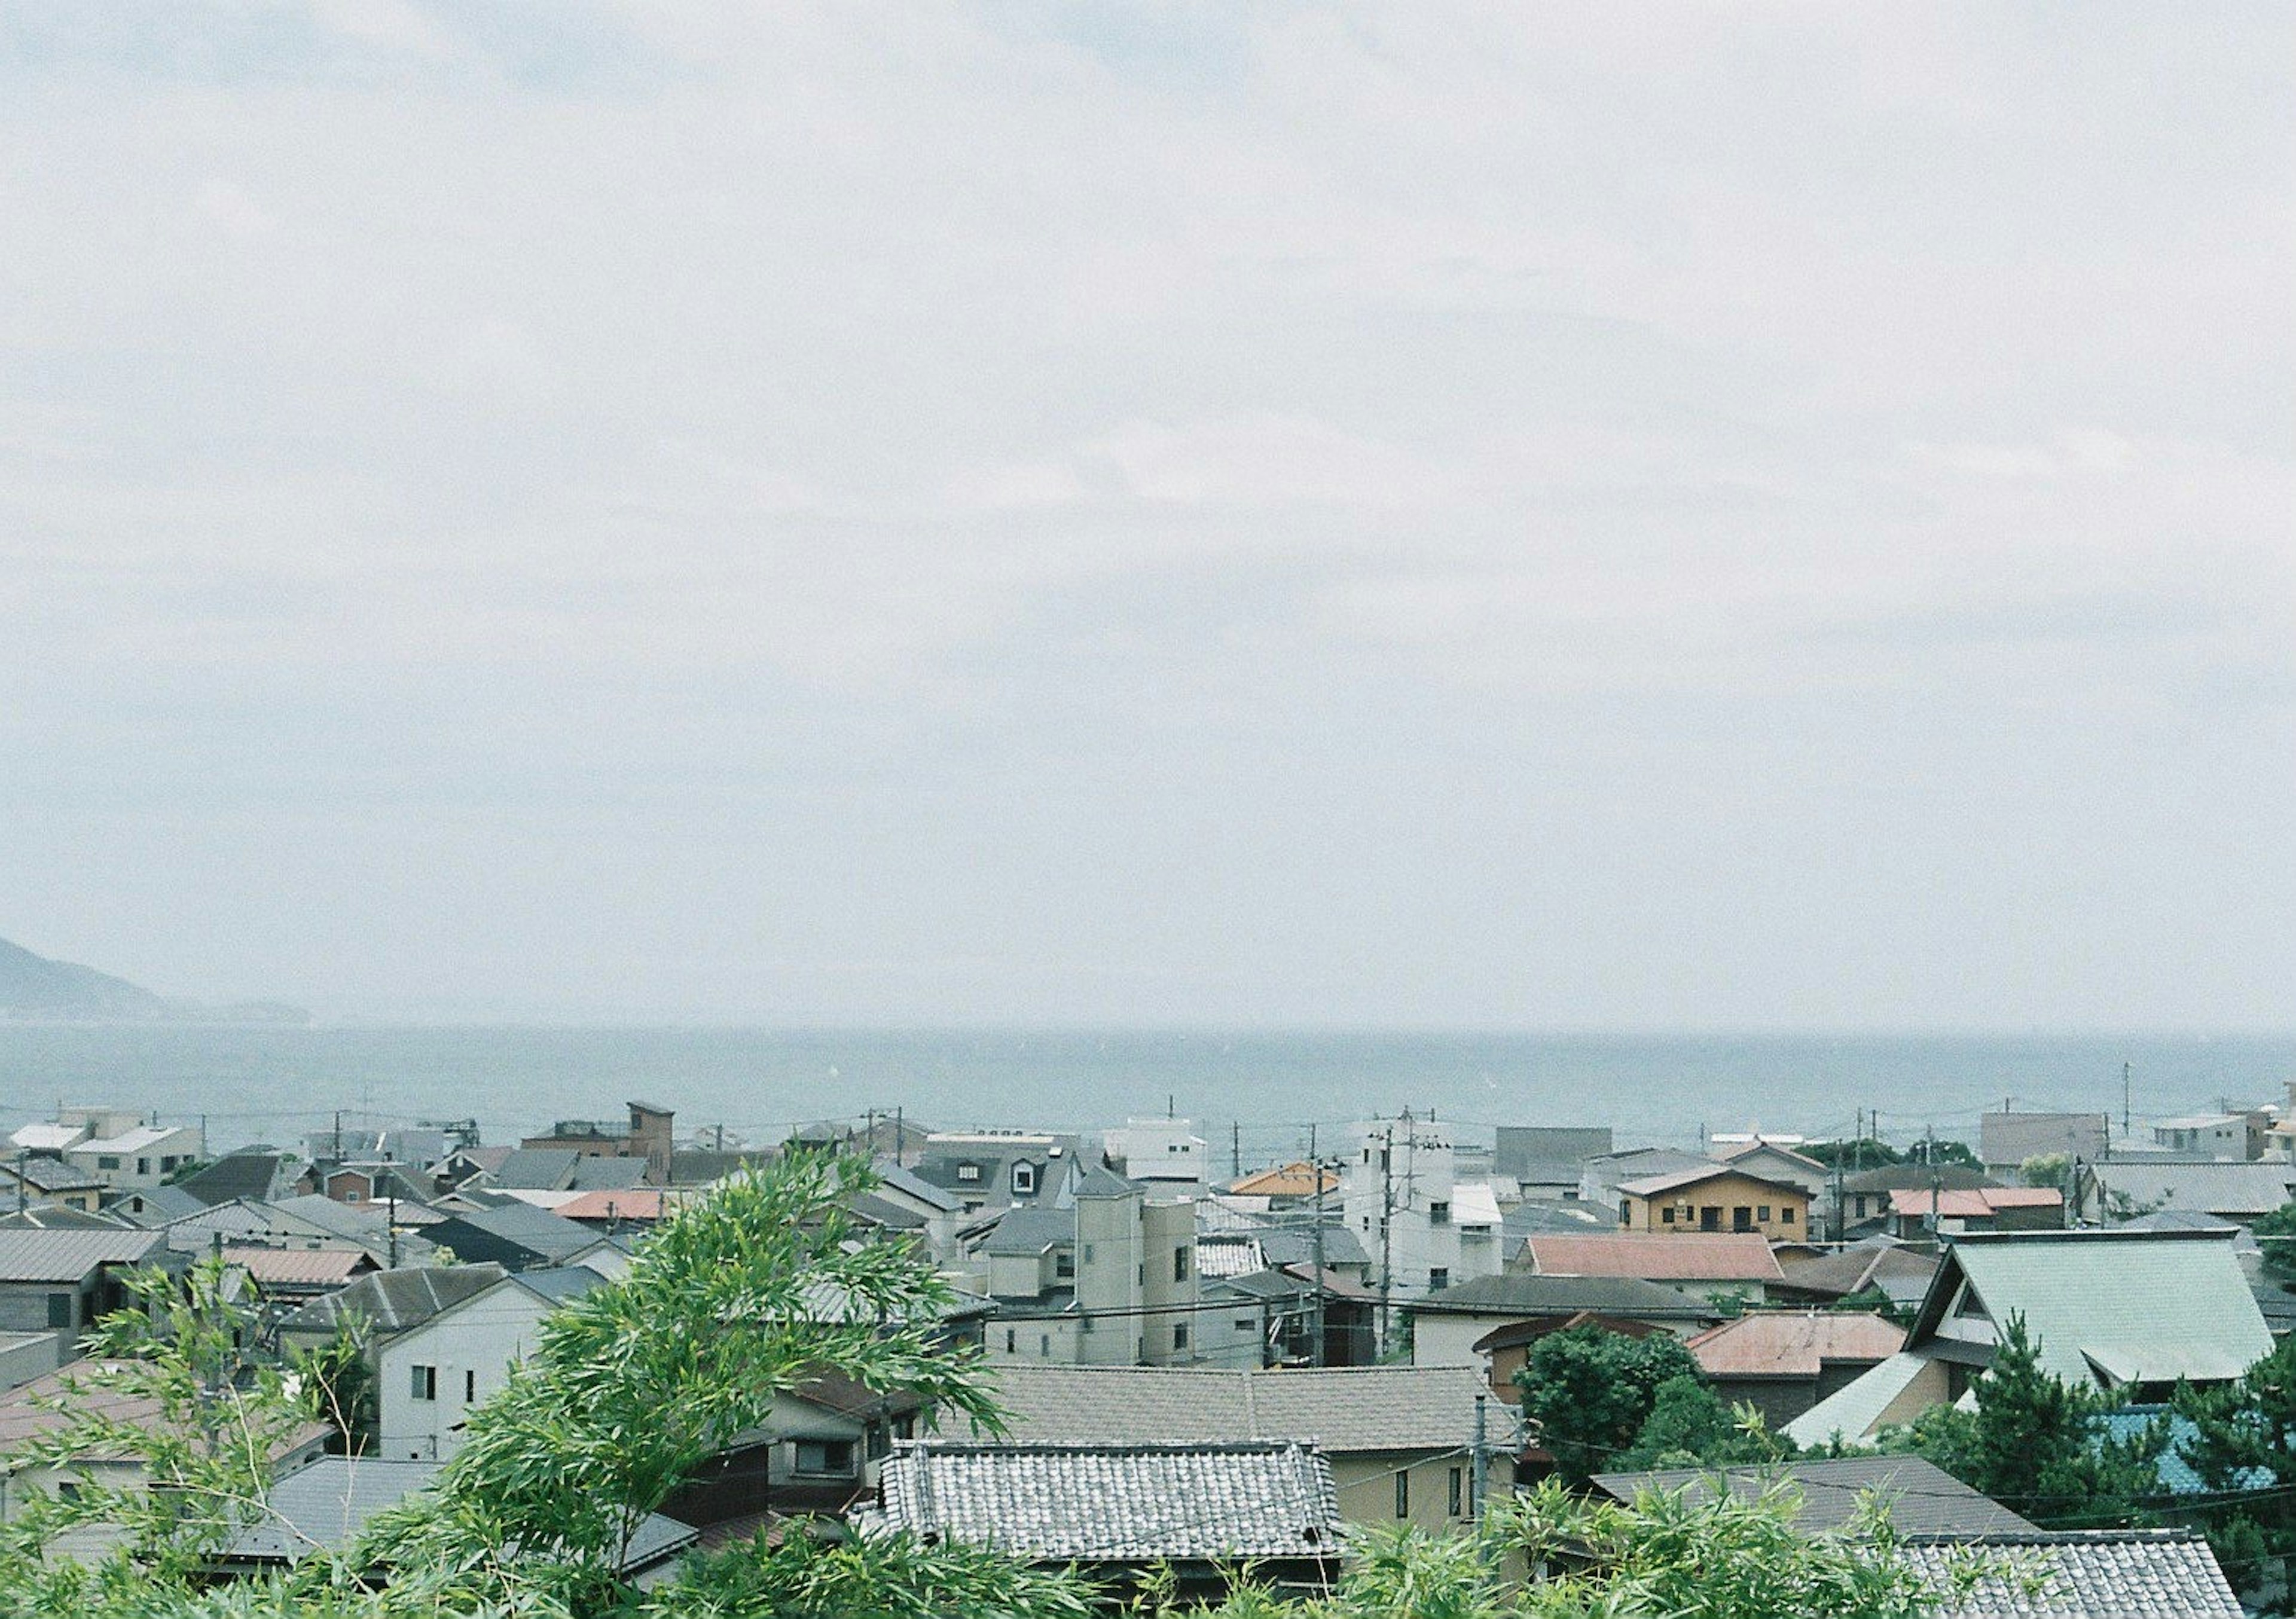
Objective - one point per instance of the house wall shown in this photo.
(1365, 1480)
(28, 1355)
(25, 1306)
(1397, 1186)
(471, 1348)
(1060, 1340)
(1775, 1210)
(1111, 1281)
(1174, 1328)
(148, 1166)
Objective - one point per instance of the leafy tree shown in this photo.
(2049, 1169)
(2275, 1234)
(2242, 1444)
(172, 1387)
(1928, 1151)
(1588, 1391)
(1858, 1153)
(1689, 1426)
(2036, 1444)
(748, 1293)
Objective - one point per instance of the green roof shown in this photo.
(2110, 1307)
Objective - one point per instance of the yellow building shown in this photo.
(1719, 1198)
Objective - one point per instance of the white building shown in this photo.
(1161, 1154)
(428, 1377)
(140, 1159)
(1423, 1229)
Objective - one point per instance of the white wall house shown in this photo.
(428, 1377)
(1158, 1153)
(140, 1159)
(1423, 1229)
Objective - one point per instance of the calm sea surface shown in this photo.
(279, 1083)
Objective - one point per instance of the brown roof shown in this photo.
(1794, 1343)
(622, 1203)
(1721, 1257)
(1285, 1180)
(301, 1267)
(1975, 1203)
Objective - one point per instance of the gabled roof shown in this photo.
(512, 1227)
(2134, 1306)
(540, 1169)
(2103, 1573)
(395, 1301)
(1296, 1180)
(1117, 1503)
(1972, 1203)
(1794, 1343)
(128, 1143)
(70, 1255)
(1718, 1256)
(897, 1178)
(2209, 1187)
(50, 1404)
(1518, 1293)
(257, 1175)
(1899, 1270)
(633, 1203)
(301, 1267)
(1026, 1232)
(595, 1174)
(58, 1217)
(1342, 1409)
(1923, 1499)
(1747, 1149)
(1296, 1246)
(47, 1174)
(42, 1136)
(1653, 1186)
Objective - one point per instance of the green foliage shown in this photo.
(1722, 1558)
(2049, 1169)
(2034, 1444)
(1957, 1153)
(1858, 1153)
(2244, 1446)
(2275, 1234)
(186, 1476)
(754, 1289)
(895, 1576)
(1689, 1426)
(1588, 1391)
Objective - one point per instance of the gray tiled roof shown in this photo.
(393, 1301)
(1024, 1232)
(256, 1175)
(1293, 1246)
(2112, 1574)
(2211, 1188)
(1516, 1294)
(541, 1169)
(1343, 1410)
(606, 1175)
(1923, 1498)
(1118, 1503)
(51, 1175)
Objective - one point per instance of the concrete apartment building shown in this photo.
(1423, 1229)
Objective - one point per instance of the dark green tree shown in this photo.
(2037, 1444)
(2242, 1444)
(1588, 1391)
(2275, 1234)
(1689, 1426)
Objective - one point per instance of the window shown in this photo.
(1762, 1212)
(1064, 1264)
(968, 1173)
(60, 1309)
(1861, 1205)
(1083, 1323)
(143, 1166)
(1438, 1214)
(1742, 1218)
(1709, 1219)
(1403, 1493)
(1088, 1252)
(470, 1388)
(824, 1456)
(423, 1384)
(1011, 1337)
(1439, 1276)
(1179, 1264)
(106, 1161)
(1043, 1346)
(1244, 1323)
(1626, 1211)
(1180, 1336)
(1024, 1178)
(1666, 1214)
(1454, 1492)
(1785, 1215)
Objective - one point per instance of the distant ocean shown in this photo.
(1251, 1094)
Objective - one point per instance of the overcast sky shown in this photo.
(1537, 516)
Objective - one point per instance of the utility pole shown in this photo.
(1840, 1232)
(339, 1135)
(1235, 1149)
(1483, 1477)
(2124, 1100)
(1316, 1167)
(1386, 1238)
(391, 1191)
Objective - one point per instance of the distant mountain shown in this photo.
(34, 989)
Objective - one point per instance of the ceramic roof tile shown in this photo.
(2113, 1573)
(1727, 1256)
(1118, 1503)
(1794, 1343)
(1343, 1409)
